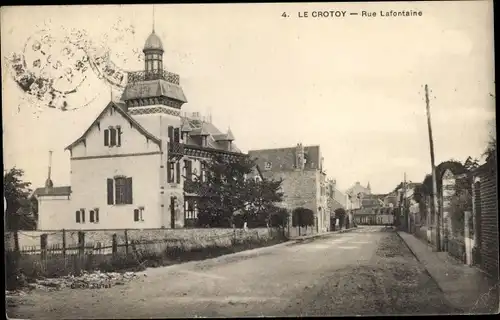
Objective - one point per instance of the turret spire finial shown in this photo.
(153, 18)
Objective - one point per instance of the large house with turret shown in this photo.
(133, 165)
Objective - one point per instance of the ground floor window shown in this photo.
(190, 208)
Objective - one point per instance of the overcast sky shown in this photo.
(352, 85)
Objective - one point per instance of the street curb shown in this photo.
(425, 268)
(319, 235)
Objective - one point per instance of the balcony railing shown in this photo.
(137, 76)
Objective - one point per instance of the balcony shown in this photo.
(175, 150)
(138, 76)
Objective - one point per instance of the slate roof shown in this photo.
(283, 159)
(153, 89)
(213, 134)
(119, 107)
(54, 191)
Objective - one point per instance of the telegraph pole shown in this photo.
(433, 166)
(405, 211)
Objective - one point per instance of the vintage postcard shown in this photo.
(250, 159)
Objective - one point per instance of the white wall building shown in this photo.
(129, 168)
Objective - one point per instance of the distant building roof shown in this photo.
(283, 159)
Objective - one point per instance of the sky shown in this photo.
(353, 84)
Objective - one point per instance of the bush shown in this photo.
(279, 218)
(302, 217)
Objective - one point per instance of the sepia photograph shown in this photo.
(250, 160)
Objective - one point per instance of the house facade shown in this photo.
(131, 168)
(304, 181)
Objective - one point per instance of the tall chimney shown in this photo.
(48, 183)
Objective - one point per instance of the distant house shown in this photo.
(356, 193)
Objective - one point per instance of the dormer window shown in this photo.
(112, 136)
(268, 165)
(203, 141)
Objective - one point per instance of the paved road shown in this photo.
(368, 271)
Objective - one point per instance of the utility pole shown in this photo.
(433, 166)
(403, 204)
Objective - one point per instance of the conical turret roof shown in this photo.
(185, 126)
(229, 135)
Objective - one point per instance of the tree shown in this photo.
(302, 217)
(460, 202)
(490, 152)
(340, 214)
(19, 204)
(491, 149)
(471, 164)
(279, 218)
(262, 197)
(225, 190)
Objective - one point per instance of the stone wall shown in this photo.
(31, 239)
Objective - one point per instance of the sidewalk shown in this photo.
(465, 287)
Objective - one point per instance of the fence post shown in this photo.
(114, 245)
(467, 238)
(126, 242)
(64, 244)
(81, 243)
(16, 241)
(43, 246)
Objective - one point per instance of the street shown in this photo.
(368, 271)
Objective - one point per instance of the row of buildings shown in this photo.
(132, 167)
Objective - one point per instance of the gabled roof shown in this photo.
(200, 131)
(54, 191)
(118, 107)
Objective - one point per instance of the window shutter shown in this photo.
(96, 215)
(83, 215)
(177, 136)
(91, 216)
(110, 191)
(170, 132)
(112, 137)
(106, 137)
(189, 170)
(77, 216)
(178, 171)
(136, 214)
(170, 171)
(119, 136)
(129, 191)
